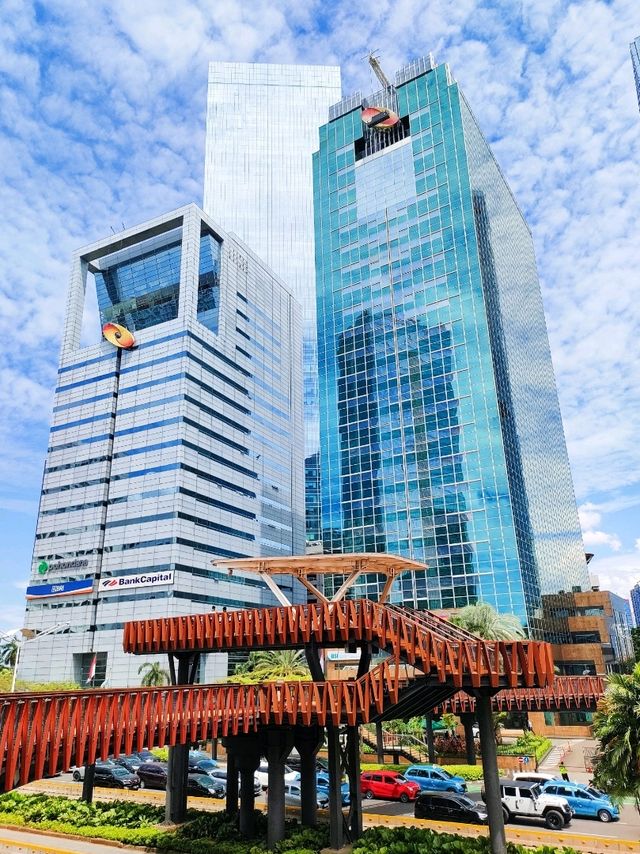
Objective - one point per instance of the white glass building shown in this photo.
(262, 129)
(184, 449)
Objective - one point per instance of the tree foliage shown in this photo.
(9, 652)
(616, 725)
(154, 675)
(635, 640)
(483, 620)
(284, 665)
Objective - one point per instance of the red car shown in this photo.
(389, 785)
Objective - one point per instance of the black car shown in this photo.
(131, 762)
(204, 786)
(115, 777)
(153, 775)
(445, 806)
(202, 766)
(78, 773)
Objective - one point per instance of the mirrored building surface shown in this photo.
(441, 435)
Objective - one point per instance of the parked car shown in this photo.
(388, 785)
(115, 777)
(294, 763)
(263, 774)
(292, 796)
(433, 778)
(203, 766)
(78, 773)
(153, 775)
(322, 786)
(131, 762)
(204, 786)
(526, 800)
(198, 755)
(534, 777)
(449, 807)
(220, 775)
(583, 800)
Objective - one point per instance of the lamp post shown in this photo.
(30, 635)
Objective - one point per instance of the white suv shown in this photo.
(524, 799)
(290, 776)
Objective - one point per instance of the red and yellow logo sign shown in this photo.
(118, 335)
(379, 118)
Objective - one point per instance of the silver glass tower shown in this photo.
(635, 61)
(184, 449)
(262, 129)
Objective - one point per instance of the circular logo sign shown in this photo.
(43, 566)
(379, 118)
(118, 335)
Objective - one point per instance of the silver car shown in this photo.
(293, 797)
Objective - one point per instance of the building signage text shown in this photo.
(147, 579)
(62, 588)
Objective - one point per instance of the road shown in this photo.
(627, 828)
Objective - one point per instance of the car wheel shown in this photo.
(604, 815)
(368, 794)
(554, 820)
(77, 776)
(404, 797)
(143, 785)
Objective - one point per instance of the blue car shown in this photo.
(583, 800)
(322, 784)
(434, 778)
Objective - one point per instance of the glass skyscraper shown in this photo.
(262, 129)
(185, 449)
(635, 62)
(635, 603)
(441, 435)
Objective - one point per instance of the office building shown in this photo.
(635, 62)
(183, 449)
(262, 129)
(441, 435)
(635, 603)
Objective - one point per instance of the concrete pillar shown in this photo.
(87, 783)
(336, 819)
(175, 806)
(279, 744)
(490, 773)
(380, 743)
(232, 783)
(355, 797)
(467, 719)
(246, 750)
(307, 741)
(428, 733)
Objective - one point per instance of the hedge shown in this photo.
(528, 745)
(415, 840)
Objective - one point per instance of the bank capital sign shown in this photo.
(145, 579)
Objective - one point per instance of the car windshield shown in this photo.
(119, 772)
(595, 793)
(400, 779)
(207, 764)
(463, 799)
(535, 791)
(444, 773)
(204, 780)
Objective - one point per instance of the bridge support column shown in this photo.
(428, 734)
(490, 772)
(307, 741)
(231, 805)
(279, 744)
(175, 810)
(380, 743)
(87, 783)
(355, 795)
(336, 819)
(467, 719)
(247, 750)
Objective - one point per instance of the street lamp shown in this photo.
(29, 635)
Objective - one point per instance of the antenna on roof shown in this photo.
(377, 70)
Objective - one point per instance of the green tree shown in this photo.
(285, 665)
(616, 725)
(635, 640)
(483, 620)
(9, 652)
(154, 675)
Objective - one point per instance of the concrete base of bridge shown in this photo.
(175, 810)
(279, 744)
(245, 751)
(467, 719)
(491, 775)
(87, 783)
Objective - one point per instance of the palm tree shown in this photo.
(9, 652)
(616, 725)
(284, 665)
(155, 676)
(483, 620)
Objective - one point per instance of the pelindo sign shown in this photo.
(63, 588)
(147, 579)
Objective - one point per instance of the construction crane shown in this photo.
(377, 70)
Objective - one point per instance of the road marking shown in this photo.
(35, 847)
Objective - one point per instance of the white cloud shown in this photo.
(590, 517)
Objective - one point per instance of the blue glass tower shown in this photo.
(635, 62)
(441, 435)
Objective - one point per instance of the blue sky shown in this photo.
(102, 109)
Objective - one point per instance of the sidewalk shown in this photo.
(572, 753)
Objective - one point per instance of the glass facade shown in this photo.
(262, 128)
(441, 435)
(635, 62)
(635, 603)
